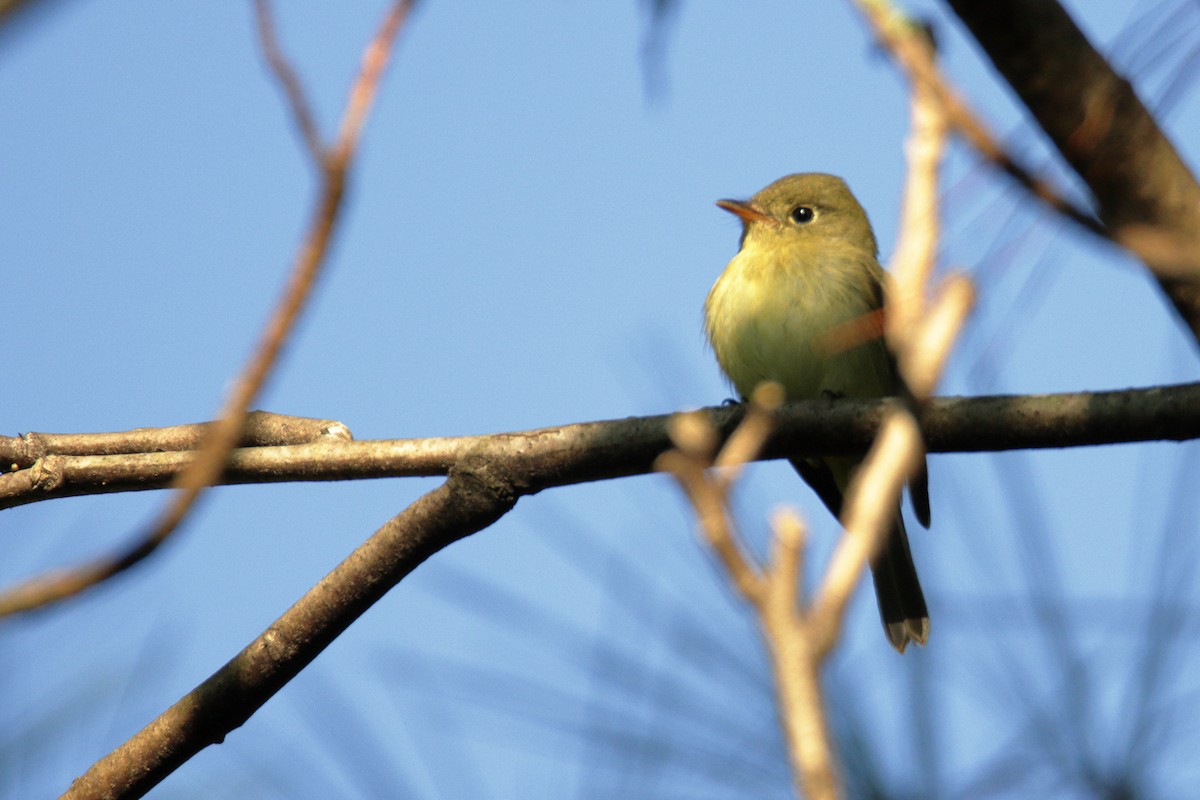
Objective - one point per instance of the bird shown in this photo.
(808, 263)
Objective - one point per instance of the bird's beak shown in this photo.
(746, 211)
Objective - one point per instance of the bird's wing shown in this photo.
(869, 370)
(819, 476)
(918, 490)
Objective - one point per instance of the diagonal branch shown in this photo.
(362, 93)
(473, 497)
(904, 41)
(206, 466)
(1145, 193)
(708, 490)
(289, 81)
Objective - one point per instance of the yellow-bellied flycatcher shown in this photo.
(807, 265)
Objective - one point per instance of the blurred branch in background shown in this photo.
(1011, 246)
(642, 724)
(204, 717)
(1145, 195)
(204, 468)
(771, 589)
(800, 635)
(896, 32)
(15, 13)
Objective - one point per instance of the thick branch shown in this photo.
(1144, 192)
(591, 451)
(909, 47)
(473, 498)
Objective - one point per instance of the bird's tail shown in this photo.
(901, 602)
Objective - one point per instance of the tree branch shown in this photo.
(289, 82)
(262, 429)
(205, 466)
(475, 495)
(590, 451)
(1145, 193)
(915, 57)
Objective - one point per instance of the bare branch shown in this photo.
(262, 429)
(1144, 191)
(209, 462)
(919, 336)
(800, 640)
(289, 81)
(590, 451)
(772, 592)
(475, 496)
(937, 334)
(362, 94)
(870, 506)
(710, 498)
(789, 538)
(896, 31)
(915, 255)
(790, 637)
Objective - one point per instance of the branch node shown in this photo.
(47, 473)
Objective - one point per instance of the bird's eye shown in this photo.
(802, 214)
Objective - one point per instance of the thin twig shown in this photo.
(362, 94)
(787, 627)
(262, 429)
(689, 464)
(790, 536)
(870, 507)
(938, 333)
(915, 255)
(771, 590)
(747, 440)
(898, 452)
(210, 461)
(289, 81)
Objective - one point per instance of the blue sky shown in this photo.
(529, 238)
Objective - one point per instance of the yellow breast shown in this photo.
(769, 319)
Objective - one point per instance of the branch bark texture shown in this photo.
(589, 451)
(1145, 193)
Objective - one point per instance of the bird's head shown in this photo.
(805, 209)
